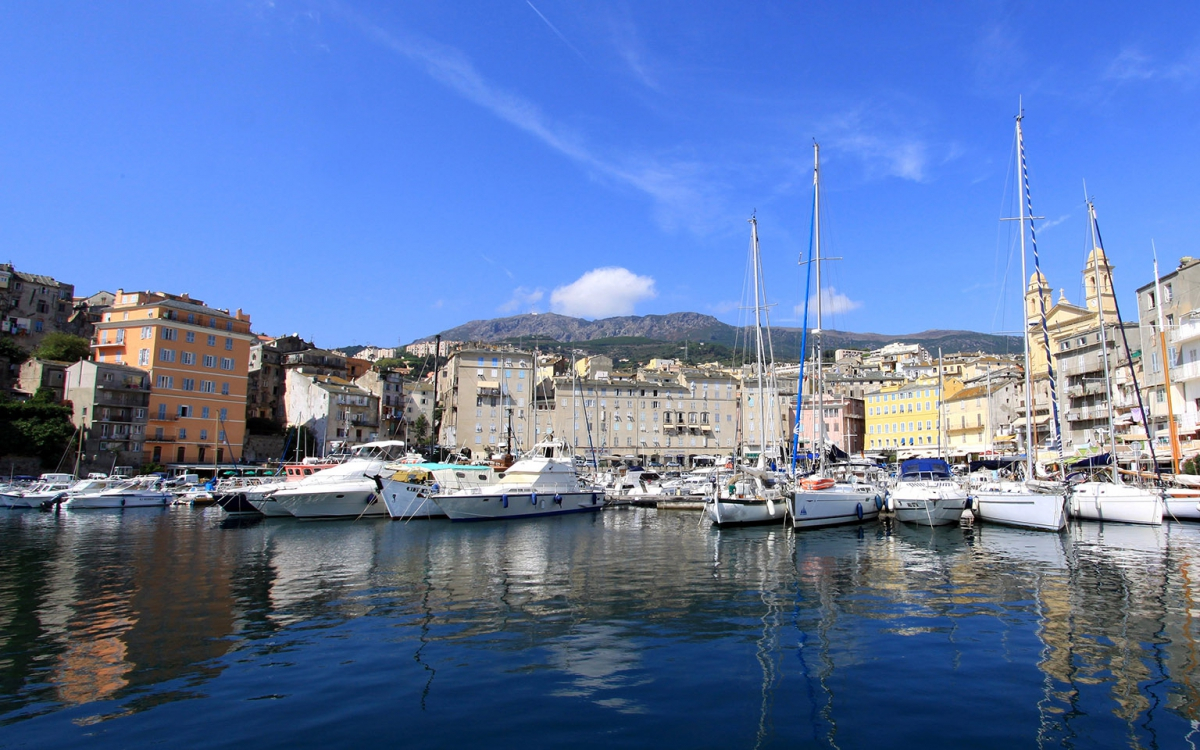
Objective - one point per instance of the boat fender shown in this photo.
(558, 499)
(858, 511)
(593, 498)
(504, 500)
(533, 498)
(878, 503)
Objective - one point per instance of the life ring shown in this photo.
(816, 483)
(504, 500)
(858, 511)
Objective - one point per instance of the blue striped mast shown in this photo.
(1054, 419)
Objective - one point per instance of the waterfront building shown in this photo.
(387, 385)
(486, 396)
(908, 415)
(417, 399)
(197, 358)
(426, 348)
(335, 411)
(845, 422)
(111, 405)
(32, 305)
(985, 415)
(1176, 298)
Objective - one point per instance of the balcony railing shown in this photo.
(1185, 332)
(1186, 371)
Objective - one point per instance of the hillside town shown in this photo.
(174, 383)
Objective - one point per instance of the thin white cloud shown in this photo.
(882, 151)
(1130, 65)
(677, 188)
(602, 293)
(833, 302)
(557, 33)
(1133, 65)
(1052, 223)
(522, 298)
(632, 52)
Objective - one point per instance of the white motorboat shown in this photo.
(1032, 505)
(1121, 503)
(262, 498)
(351, 489)
(408, 492)
(47, 491)
(927, 494)
(542, 484)
(139, 492)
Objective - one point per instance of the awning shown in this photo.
(1036, 420)
(488, 384)
(706, 428)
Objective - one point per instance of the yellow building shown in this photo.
(906, 415)
(197, 357)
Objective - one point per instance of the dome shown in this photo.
(1037, 281)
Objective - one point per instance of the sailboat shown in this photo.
(1029, 504)
(823, 499)
(1111, 500)
(752, 495)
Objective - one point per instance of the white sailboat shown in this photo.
(827, 499)
(753, 495)
(1029, 504)
(1102, 500)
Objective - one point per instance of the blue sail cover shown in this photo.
(1091, 462)
(920, 466)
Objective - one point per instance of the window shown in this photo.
(190, 336)
(187, 358)
(143, 356)
(204, 412)
(184, 411)
(210, 360)
(183, 433)
(226, 363)
(212, 340)
(120, 335)
(169, 334)
(166, 381)
(147, 332)
(204, 434)
(189, 384)
(207, 386)
(224, 414)
(229, 344)
(162, 414)
(224, 389)
(166, 355)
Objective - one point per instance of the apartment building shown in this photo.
(111, 404)
(486, 396)
(197, 358)
(32, 305)
(908, 415)
(334, 410)
(1175, 300)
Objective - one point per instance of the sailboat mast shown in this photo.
(758, 339)
(1108, 394)
(1030, 434)
(1172, 429)
(817, 330)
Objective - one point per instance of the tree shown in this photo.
(63, 347)
(12, 351)
(420, 428)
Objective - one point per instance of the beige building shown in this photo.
(111, 404)
(487, 396)
(334, 410)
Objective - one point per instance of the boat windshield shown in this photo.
(925, 468)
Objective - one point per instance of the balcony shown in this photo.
(1187, 330)
(162, 439)
(1187, 371)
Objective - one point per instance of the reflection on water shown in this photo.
(629, 627)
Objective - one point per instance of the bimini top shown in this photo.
(925, 468)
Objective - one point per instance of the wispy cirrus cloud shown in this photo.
(523, 298)
(557, 33)
(882, 150)
(678, 188)
(1052, 223)
(1133, 65)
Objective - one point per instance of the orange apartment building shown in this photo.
(197, 357)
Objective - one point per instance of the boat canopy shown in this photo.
(925, 468)
(1091, 462)
(1001, 462)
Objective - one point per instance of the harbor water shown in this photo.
(627, 628)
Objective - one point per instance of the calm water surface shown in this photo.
(630, 628)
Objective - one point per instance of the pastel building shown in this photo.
(907, 415)
(197, 359)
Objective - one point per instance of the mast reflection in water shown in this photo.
(629, 628)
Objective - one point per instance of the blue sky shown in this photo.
(366, 172)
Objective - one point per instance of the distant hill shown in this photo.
(667, 333)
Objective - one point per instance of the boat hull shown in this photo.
(236, 503)
(1022, 508)
(838, 505)
(486, 507)
(1118, 503)
(929, 503)
(118, 500)
(267, 506)
(1182, 507)
(324, 501)
(727, 512)
(405, 501)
